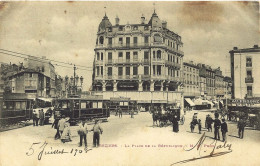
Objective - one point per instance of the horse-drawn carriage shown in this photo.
(165, 115)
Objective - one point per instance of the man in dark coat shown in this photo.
(224, 129)
(41, 116)
(241, 127)
(217, 124)
(209, 122)
(175, 123)
(120, 112)
(97, 129)
(55, 125)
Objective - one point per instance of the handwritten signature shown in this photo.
(223, 149)
(42, 150)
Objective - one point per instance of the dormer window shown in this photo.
(135, 27)
(146, 28)
(101, 40)
(109, 29)
(120, 28)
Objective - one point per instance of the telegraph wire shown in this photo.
(38, 60)
(41, 58)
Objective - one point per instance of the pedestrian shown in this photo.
(82, 131)
(116, 111)
(132, 113)
(120, 112)
(61, 124)
(55, 125)
(241, 127)
(175, 124)
(35, 118)
(66, 134)
(96, 135)
(209, 123)
(224, 129)
(192, 126)
(199, 126)
(217, 124)
(41, 116)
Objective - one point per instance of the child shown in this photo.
(199, 126)
(65, 137)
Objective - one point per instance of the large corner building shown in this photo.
(142, 61)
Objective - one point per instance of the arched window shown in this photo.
(101, 40)
(159, 54)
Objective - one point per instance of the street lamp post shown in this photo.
(71, 83)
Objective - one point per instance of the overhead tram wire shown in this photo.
(79, 68)
(40, 58)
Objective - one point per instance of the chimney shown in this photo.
(164, 24)
(256, 46)
(235, 48)
(142, 19)
(117, 20)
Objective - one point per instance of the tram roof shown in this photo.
(85, 98)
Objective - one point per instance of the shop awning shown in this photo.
(190, 102)
(201, 102)
(45, 99)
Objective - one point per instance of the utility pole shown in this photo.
(74, 80)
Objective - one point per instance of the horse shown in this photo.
(155, 118)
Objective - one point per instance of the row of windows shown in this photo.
(190, 69)
(120, 70)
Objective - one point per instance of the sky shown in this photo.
(66, 31)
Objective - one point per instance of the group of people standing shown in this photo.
(208, 124)
(63, 131)
(38, 115)
(119, 112)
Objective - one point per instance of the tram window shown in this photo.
(23, 105)
(17, 105)
(121, 103)
(10, 105)
(125, 103)
(76, 104)
(64, 104)
(83, 105)
(88, 104)
(99, 104)
(94, 105)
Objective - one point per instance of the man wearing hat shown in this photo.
(61, 124)
(224, 129)
(96, 136)
(217, 124)
(82, 131)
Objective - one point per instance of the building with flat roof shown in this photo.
(245, 71)
(191, 80)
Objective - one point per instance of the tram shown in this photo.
(16, 110)
(82, 108)
(125, 104)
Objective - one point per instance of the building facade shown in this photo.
(245, 71)
(207, 77)
(191, 80)
(220, 87)
(136, 58)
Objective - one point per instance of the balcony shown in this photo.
(127, 61)
(248, 64)
(123, 45)
(175, 79)
(174, 64)
(249, 80)
(99, 62)
(156, 60)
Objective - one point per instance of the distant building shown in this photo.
(135, 60)
(207, 75)
(245, 71)
(191, 80)
(36, 76)
(219, 84)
